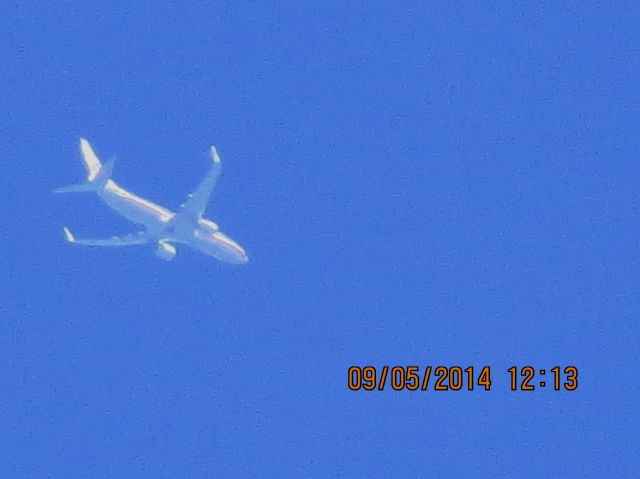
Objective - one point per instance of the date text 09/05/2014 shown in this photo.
(456, 378)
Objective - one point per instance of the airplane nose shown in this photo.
(239, 252)
(226, 249)
(243, 258)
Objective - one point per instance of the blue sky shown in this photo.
(415, 184)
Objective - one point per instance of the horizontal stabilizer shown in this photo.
(96, 182)
(77, 188)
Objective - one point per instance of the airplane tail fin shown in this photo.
(97, 173)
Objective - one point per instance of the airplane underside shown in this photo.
(162, 226)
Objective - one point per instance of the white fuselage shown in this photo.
(164, 225)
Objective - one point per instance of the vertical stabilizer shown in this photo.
(90, 159)
(97, 173)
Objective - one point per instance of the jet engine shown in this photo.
(165, 251)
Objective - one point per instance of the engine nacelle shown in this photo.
(165, 251)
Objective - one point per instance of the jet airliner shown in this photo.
(164, 228)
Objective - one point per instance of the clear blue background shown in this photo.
(415, 183)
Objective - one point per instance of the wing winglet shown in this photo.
(214, 155)
(197, 201)
(126, 240)
(68, 236)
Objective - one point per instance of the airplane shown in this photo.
(163, 227)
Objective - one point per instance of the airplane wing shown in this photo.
(127, 240)
(194, 206)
